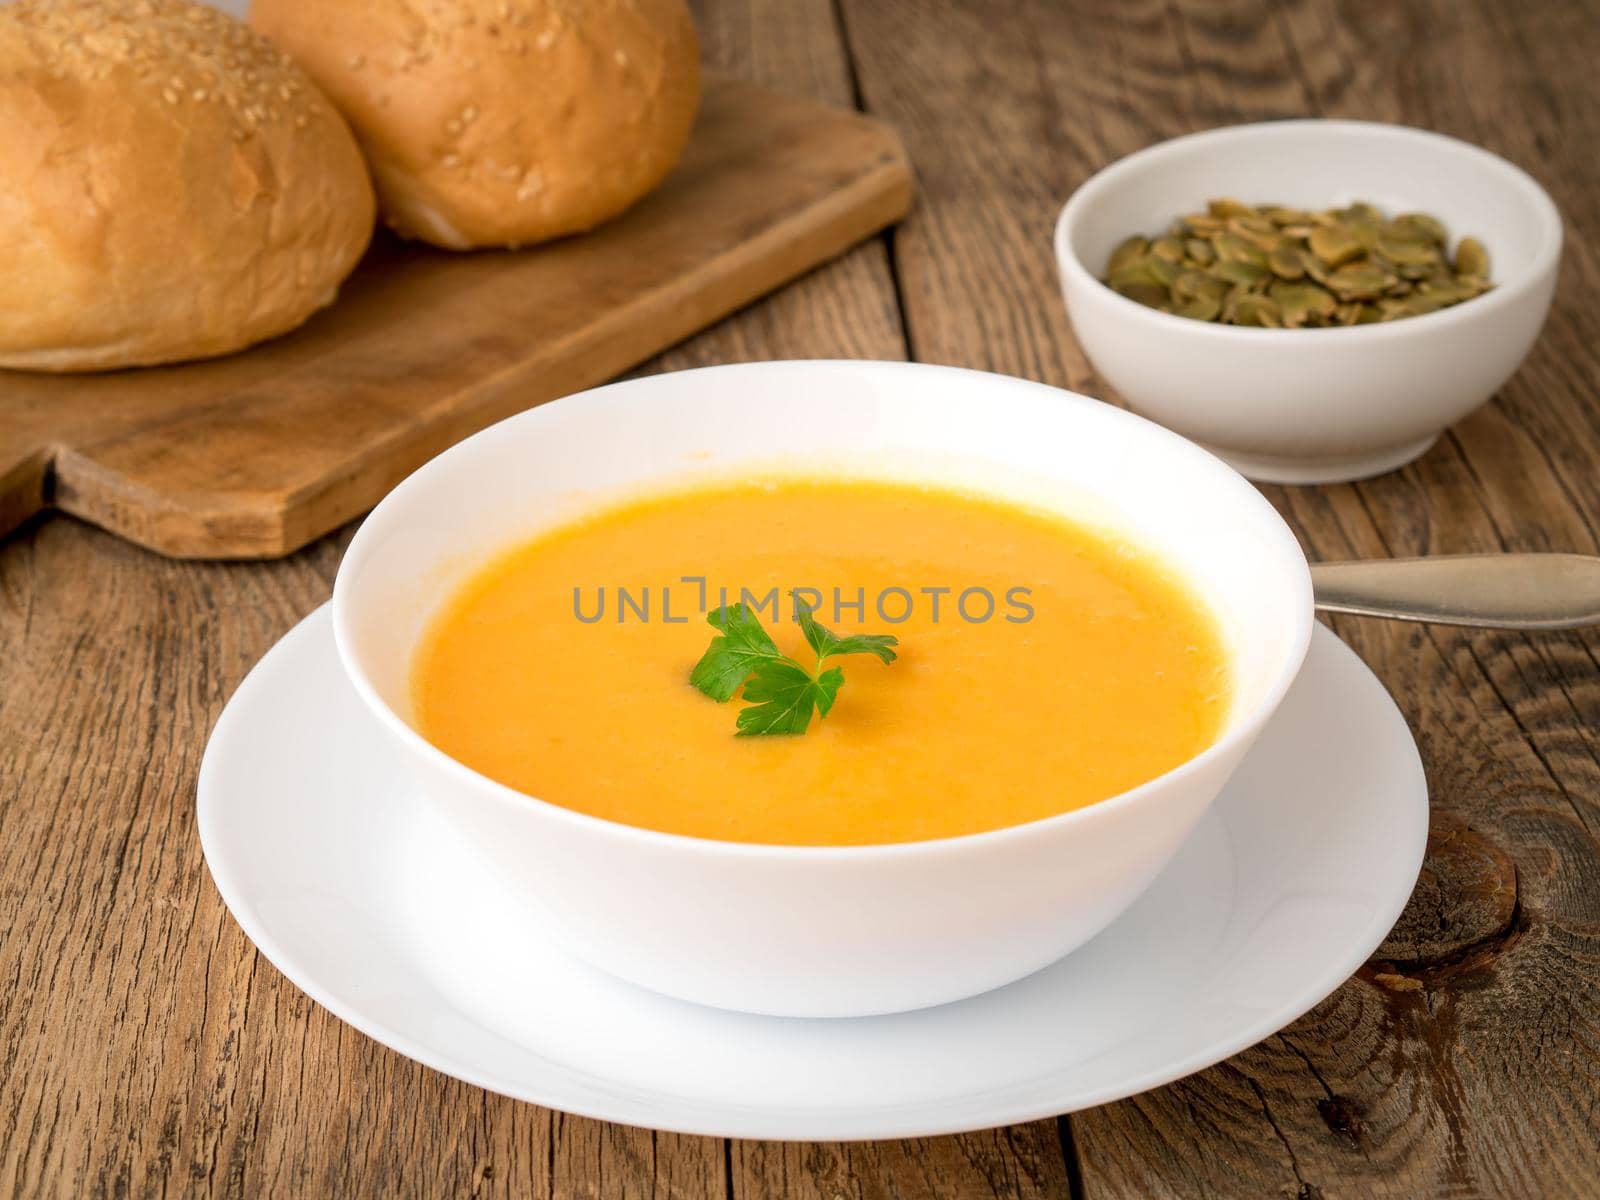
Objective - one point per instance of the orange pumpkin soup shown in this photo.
(1042, 665)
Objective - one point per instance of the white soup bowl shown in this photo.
(808, 930)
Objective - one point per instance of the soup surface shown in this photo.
(1095, 670)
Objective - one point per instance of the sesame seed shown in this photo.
(532, 184)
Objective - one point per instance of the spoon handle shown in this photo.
(1493, 591)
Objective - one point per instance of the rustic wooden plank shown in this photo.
(255, 454)
(1465, 1067)
(1023, 1162)
(145, 1047)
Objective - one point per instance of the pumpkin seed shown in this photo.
(1140, 271)
(1201, 308)
(1431, 228)
(1302, 304)
(1288, 261)
(1238, 271)
(1447, 293)
(1256, 309)
(1126, 253)
(1408, 306)
(1233, 248)
(1335, 244)
(1227, 207)
(1194, 285)
(1168, 248)
(1163, 270)
(1201, 224)
(1472, 258)
(1151, 294)
(1405, 253)
(1360, 281)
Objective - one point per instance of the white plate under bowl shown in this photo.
(353, 887)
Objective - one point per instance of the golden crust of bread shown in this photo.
(172, 186)
(502, 122)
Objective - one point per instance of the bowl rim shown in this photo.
(1240, 731)
(1501, 296)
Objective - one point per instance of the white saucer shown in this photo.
(357, 892)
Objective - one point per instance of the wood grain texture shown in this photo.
(256, 454)
(146, 1049)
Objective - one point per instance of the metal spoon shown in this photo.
(1492, 591)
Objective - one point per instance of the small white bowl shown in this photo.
(1317, 405)
(825, 931)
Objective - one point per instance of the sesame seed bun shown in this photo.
(172, 186)
(501, 122)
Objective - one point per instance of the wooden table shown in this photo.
(147, 1049)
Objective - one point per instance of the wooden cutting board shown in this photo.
(254, 455)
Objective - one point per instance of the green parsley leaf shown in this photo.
(743, 646)
(781, 693)
(827, 644)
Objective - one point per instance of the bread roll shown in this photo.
(501, 122)
(171, 186)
